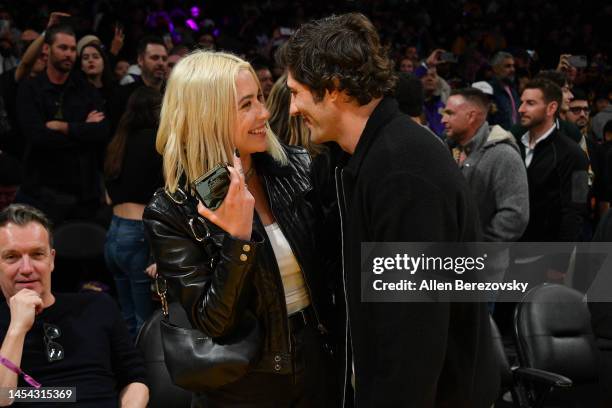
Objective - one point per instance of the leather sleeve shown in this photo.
(210, 277)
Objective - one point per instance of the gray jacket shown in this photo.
(497, 176)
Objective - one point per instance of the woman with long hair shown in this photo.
(133, 171)
(96, 68)
(252, 256)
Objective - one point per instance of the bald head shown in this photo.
(464, 113)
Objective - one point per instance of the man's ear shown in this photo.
(551, 108)
(140, 60)
(52, 255)
(472, 116)
(45, 48)
(334, 95)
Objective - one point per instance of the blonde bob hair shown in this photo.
(198, 117)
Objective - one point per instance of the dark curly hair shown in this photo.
(339, 52)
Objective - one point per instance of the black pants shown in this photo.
(310, 385)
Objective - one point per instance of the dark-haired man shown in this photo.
(153, 63)
(60, 115)
(176, 54)
(556, 168)
(579, 111)
(396, 183)
(60, 340)
(565, 127)
(578, 114)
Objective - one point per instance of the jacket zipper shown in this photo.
(320, 326)
(341, 205)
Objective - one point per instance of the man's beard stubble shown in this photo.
(533, 122)
(59, 65)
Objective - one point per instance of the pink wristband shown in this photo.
(11, 366)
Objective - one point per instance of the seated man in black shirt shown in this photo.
(60, 340)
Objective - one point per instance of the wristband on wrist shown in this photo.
(11, 366)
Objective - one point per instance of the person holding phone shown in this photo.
(253, 254)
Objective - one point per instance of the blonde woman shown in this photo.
(260, 257)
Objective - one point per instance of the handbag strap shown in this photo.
(180, 198)
(161, 288)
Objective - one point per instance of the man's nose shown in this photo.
(26, 266)
(293, 109)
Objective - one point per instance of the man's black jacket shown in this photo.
(401, 185)
(558, 189)
(64, 163)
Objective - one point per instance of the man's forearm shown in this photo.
(134, 395)
(12, 349)
(58, 126)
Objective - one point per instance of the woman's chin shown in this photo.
(254, 148)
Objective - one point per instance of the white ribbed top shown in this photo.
(296, 293)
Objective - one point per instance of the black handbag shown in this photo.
(197, 362)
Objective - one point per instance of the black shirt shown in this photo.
(100, 358)
(141, 171)
(64, 163)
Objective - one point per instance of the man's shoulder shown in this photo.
(404, 132)
(570, 130)
(504, 151)
(569, 150)
(85, 300)
(497, 86)
(405, 147)
(33, 84)
(127, 89)
(604, 113)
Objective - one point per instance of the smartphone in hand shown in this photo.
(211, 188)
(578, 61)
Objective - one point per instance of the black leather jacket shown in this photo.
(218, 279)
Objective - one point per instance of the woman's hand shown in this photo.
(235, 215)
(151, 271)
